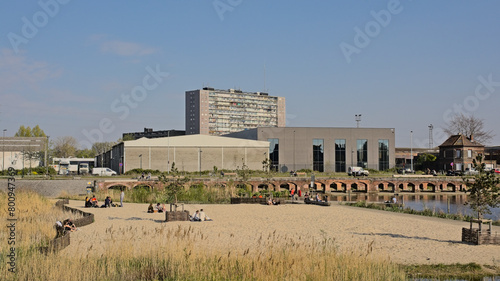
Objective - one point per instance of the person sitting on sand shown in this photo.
(69, 225)
(107, 202)
(94, 202)
(270, 201)
(317, 197)
(196, 216)
(276, 202)
(150, 208)
(203, 216)
(159, 208)
(394, 200)
(88, 204)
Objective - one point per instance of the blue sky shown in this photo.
(66, 65)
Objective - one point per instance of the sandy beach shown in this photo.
(402, 238)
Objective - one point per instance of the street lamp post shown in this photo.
(140, 156)
(358, 119)
(3, 149)
(199, 158)
(352, 157)
(168, 152)
(411, 151)
(47, 155)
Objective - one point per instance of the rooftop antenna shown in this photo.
(358, 119)
(431, 138)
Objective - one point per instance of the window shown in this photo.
(339, 155)
(318, 155)
(383, 155)
(469, 153)
(362, 153)
(274, 154)
(459, 153)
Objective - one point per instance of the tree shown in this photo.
(28, 132)
(101, 147)
(65, 147)
(175, 184)
(483, 189)
(85, 153)
(468, 125)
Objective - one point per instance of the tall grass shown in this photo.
(174, 253)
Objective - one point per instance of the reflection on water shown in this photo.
(447, 203)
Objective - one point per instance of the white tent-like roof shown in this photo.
(196, 141)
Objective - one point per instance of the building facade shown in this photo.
(211, 111)
(458, 152)
(23, 152)
(326, 149)
(189, 153)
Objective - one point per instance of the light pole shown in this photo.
(140, 156)
(294, 168)
(199, 158)
(3, 149)
(411, 151)
(358, 119)
(47, 155)
(168, 152)
(352, 157)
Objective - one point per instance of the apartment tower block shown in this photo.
(212, 111)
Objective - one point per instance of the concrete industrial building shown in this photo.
(150, 134)
(23, 152)
(189, 153)
(326, 149)
(211, 111)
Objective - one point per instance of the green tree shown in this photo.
(128, 137)
(85, 153)
(28, 132)
(483, 189)
(101, 147)
(174, 185)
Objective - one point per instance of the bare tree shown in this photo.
(65, 147)
(468, 125)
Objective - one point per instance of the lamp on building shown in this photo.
(199, 158)
(140, 156)
(358, 119)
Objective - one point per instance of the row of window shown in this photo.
(340, 154)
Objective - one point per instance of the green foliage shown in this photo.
(85, 153)
(34, 171)
(483, 189)
(128, 137)
(307, 171)
(28, 132)
(175, 186)
(145, 171)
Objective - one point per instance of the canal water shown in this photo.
(448, 203)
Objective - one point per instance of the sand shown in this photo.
(402, 238)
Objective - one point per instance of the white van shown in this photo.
(103, 172)
(357, 171)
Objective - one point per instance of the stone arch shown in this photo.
(117, 186)
(451, 186)
(411, 186)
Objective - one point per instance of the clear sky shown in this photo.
(96, 69)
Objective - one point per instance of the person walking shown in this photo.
(122, 196)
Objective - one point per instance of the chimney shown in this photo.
(471, 137)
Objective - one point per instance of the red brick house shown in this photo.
(458, 151)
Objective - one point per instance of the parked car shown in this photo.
(470, 172)
(497, 170)
(103, 172)
(454, 173)
(357, 171)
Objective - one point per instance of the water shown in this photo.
(419, 202)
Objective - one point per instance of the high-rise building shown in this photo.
(211, 111)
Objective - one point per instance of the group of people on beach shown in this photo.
(272, 201)
(158, 208)
(92, 202)
(199, 215)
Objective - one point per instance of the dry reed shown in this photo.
(174, 253)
